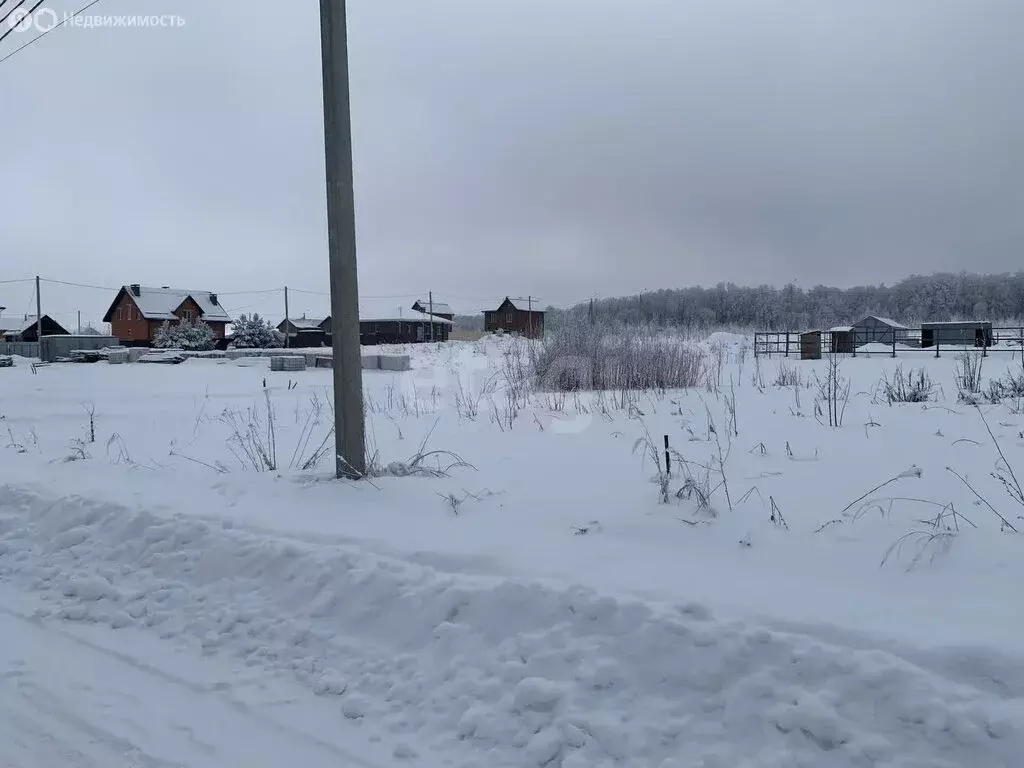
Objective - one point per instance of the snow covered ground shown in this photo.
(538, 604)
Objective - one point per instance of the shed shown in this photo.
(840, 339)
(883, 330)
(965, 333)
(810, 345)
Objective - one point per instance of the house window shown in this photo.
(508, 317)
(188, 314)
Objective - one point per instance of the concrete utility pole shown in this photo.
(349, 427)
(39, 320)
(287, 331)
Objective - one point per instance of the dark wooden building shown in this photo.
(513, 318)
(840, 339)
(963, 333)
(305, 332)
(26, 328)
(403, 330)
(440, 309)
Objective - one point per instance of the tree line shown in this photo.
(936, 297)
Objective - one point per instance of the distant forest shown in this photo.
(937, 297)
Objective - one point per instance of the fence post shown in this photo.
(787, 343)
(755, 343)
(937, 337)
(894, 342)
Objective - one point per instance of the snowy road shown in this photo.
(78, 699)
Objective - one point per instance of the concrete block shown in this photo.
(395, 363)
(117, 357)
(134, 353)
(287, 363)
(323, 361)
(371, 362)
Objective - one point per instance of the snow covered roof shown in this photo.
(887, 321)
(306, 323)
(160, 303)
(17, 324)
(440, 308)
(955, 323)
(841, 329)
(524, 307)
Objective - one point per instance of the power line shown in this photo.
(14, 24)
(250, 293)
(80, 285)
(40, 36)
(19, 280)
(362, 297)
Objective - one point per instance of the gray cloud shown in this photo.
(563, 148)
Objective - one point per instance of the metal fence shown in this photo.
(812, 345)
(20, 348)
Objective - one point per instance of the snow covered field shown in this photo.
(532, 600)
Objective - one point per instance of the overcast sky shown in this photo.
(560, 148)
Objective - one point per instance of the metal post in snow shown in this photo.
(668, 459)
(894, 342)
(39, 320)
(431, 298)
(287, 329)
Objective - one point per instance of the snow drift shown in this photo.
(512, 673)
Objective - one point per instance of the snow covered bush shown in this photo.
(188, 335)
(582, 356)
(912, 387)
(968, 377)
(1008, 387)
(788, 375)
(253, 332)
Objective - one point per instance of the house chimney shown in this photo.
(136, 289)
(213, 299)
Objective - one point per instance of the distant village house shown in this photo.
(437, 308)
(25, 328)
(138, 311)
(306, 332)
(510, 317)
(418, 329)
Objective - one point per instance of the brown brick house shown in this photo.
(138, 311)
(513, 318)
